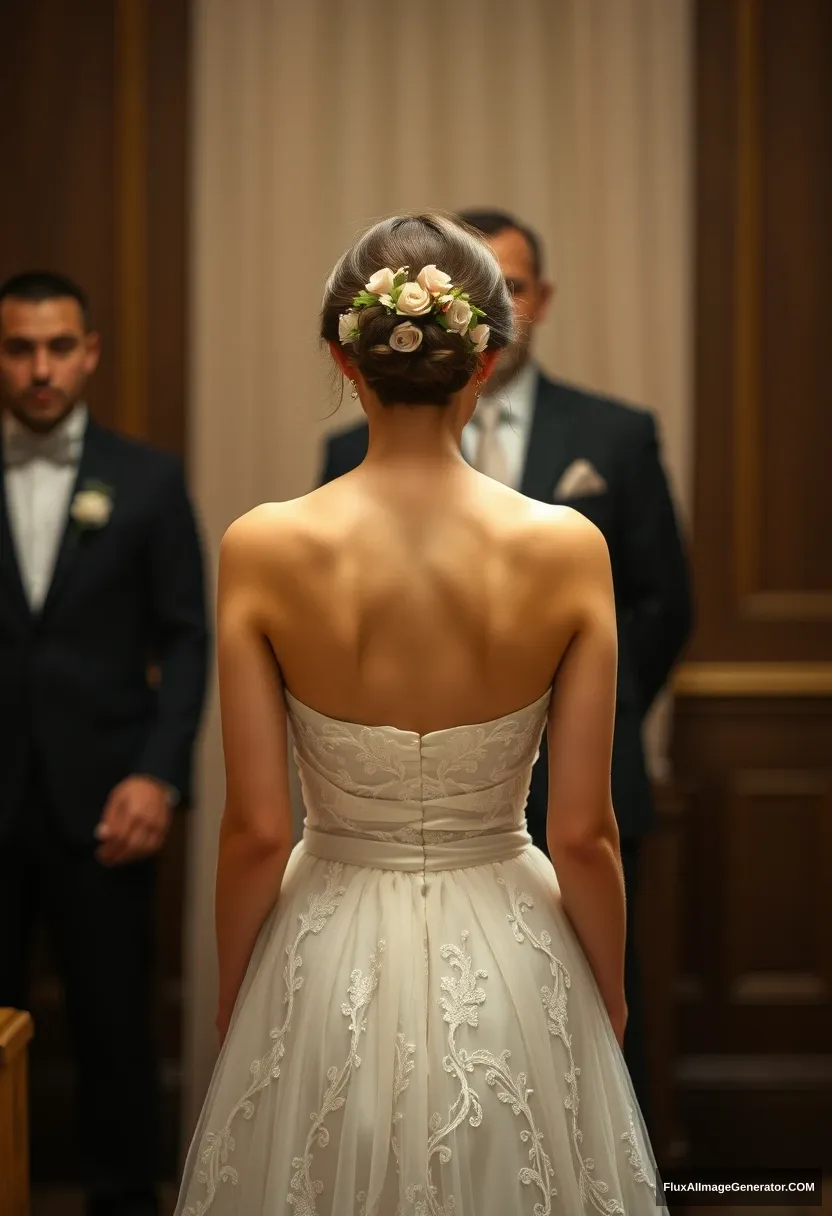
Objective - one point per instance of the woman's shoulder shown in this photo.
(560, 533)
(256, 524)
(556, 547)
(278, 536)
(262, 521)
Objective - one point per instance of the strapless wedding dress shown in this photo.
(419, 1032)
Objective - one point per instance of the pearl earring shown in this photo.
(354, 393)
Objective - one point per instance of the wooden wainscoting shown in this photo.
(754, 1071)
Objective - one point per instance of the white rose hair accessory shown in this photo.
(479, 336)
(458, 316)
(381, 283)
(430, 294)
(347, 327)
(413, 300)
(406, 337)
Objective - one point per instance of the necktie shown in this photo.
(490, 455)
(22, 446)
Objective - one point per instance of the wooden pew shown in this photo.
(15, 1032)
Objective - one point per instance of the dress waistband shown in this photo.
(454, 854)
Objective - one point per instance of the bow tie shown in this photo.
(21, 447)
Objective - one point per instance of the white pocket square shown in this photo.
(581, 478)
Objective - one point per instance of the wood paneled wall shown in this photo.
(754, 719)
(93, 150)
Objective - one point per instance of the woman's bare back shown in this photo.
(392, 599)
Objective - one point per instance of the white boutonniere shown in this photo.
(92, 506)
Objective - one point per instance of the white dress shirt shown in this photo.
(518, 399)
(38, 492)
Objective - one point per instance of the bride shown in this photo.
(418, 1013)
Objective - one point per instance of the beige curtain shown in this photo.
(311, 120)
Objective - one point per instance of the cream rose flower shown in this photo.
(347, 325)
(406, 337)
(91, 508)
(381, 283)
(458, 316)
(479, 335)
(433, 280)
(414, 301)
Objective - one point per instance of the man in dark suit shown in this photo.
(557, 443)
(101, 577)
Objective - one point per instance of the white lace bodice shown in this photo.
(380, 796)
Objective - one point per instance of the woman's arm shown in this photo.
(256, 830)
(581, 830)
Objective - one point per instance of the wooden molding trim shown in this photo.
(753, 680)
(131, 217)
(758, 1071)
(787, 606)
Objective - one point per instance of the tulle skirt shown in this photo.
(425, 1044)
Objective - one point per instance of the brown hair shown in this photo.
(445, 361)
(35, 286)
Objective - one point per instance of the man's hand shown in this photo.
(135, 822)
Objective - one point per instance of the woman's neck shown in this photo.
(410, 433)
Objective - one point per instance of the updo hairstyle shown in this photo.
(445, 361)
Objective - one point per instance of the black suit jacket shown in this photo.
(649, 566)
(75, 701)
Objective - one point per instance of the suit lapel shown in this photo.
(551, 441)
(9, 567)
(73, 539)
